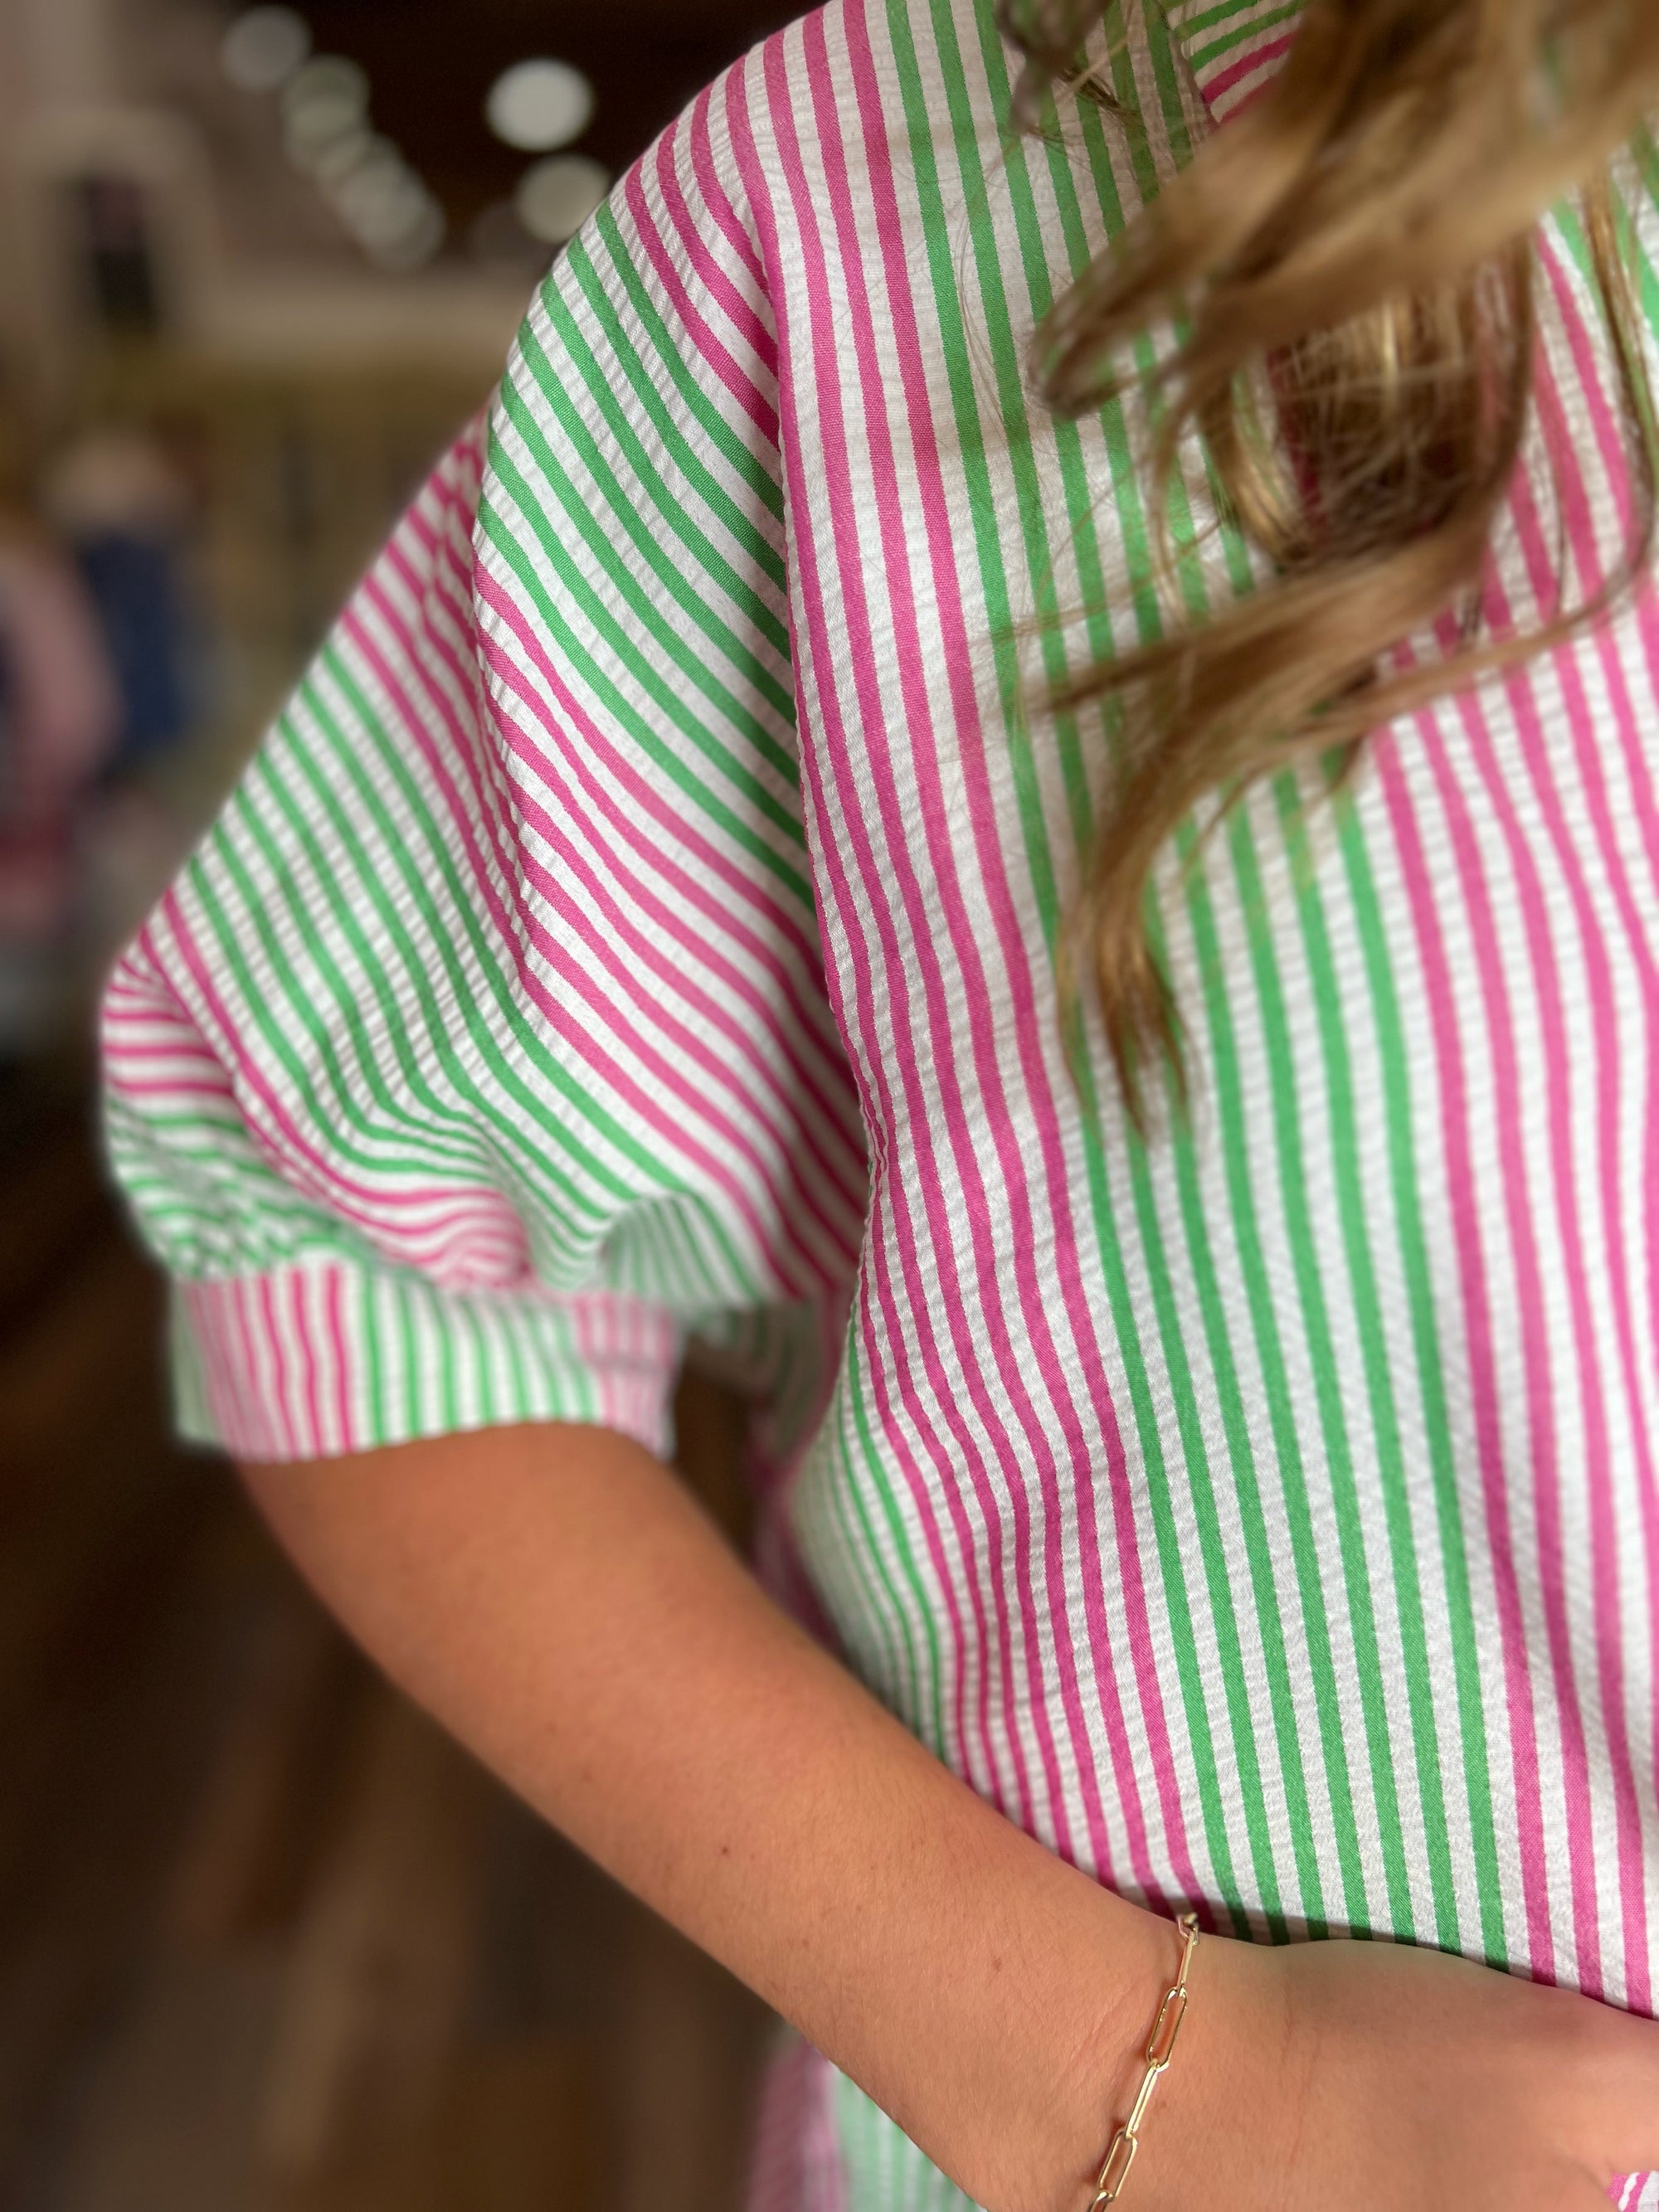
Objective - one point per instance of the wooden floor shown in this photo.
(268, 1942)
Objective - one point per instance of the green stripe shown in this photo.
(760, 482)
(620, 711)
(927, 1720)
(444, 895)
(1202, 55)
(341, 927)
(1417, 1273)
(369, 1361)
(970, 439)
(694, 404)
(437, 896)
(1297, 1232)
(630, 502)
(1389, 1470)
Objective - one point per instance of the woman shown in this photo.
(1216, 1443)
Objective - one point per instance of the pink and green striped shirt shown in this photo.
(640, 930)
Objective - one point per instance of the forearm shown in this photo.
(561, 1602)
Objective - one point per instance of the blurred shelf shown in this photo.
(268, 1942)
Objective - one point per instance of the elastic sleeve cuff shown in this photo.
(309, 1362)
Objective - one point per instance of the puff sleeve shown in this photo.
(481, 1051)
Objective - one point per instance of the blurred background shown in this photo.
(268, 1943)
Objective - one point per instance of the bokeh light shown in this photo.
(381, 202)
(414, 243)
(555, 198)
(273, 263)
(262, 48)
(324, 101)
(538, 105)
(336, 158)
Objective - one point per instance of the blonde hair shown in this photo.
(1353, 262)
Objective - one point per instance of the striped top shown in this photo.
(642, 927)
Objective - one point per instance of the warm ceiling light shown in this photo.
(555, 198)
(262, 48)
(538, 105)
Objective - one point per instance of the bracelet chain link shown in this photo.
(1160, 2049)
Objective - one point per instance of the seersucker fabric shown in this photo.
(639, 932)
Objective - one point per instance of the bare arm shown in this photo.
(558, 1598)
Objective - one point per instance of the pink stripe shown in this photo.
(1555, 1074)
(584, 1046)
(483, 1219)
(200, 1321)
(889, 1199)
(128, 992)
(809, 1085)
(731, 225)
(263, 1409)
(689, 318)
(311, 1345)
(774, 2181)
(324, 1173)
(1216, 84)
(1644, 622)
(840, 747)
(220, 1373)
(814, 1176)
(739, 889)
(753, 337)
(505, 609)
(826, 2186)
(128, 1088)
(785, 1207)
(694, 1105)
(1023, 992)
(174, 1050)
(1643, 619)
(1582, 726)
(1463, 1183)
(745, 1043)
(1566, 1257)
(277, 1406)
(334, 1321)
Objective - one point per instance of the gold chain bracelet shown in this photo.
(1160, 2049)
